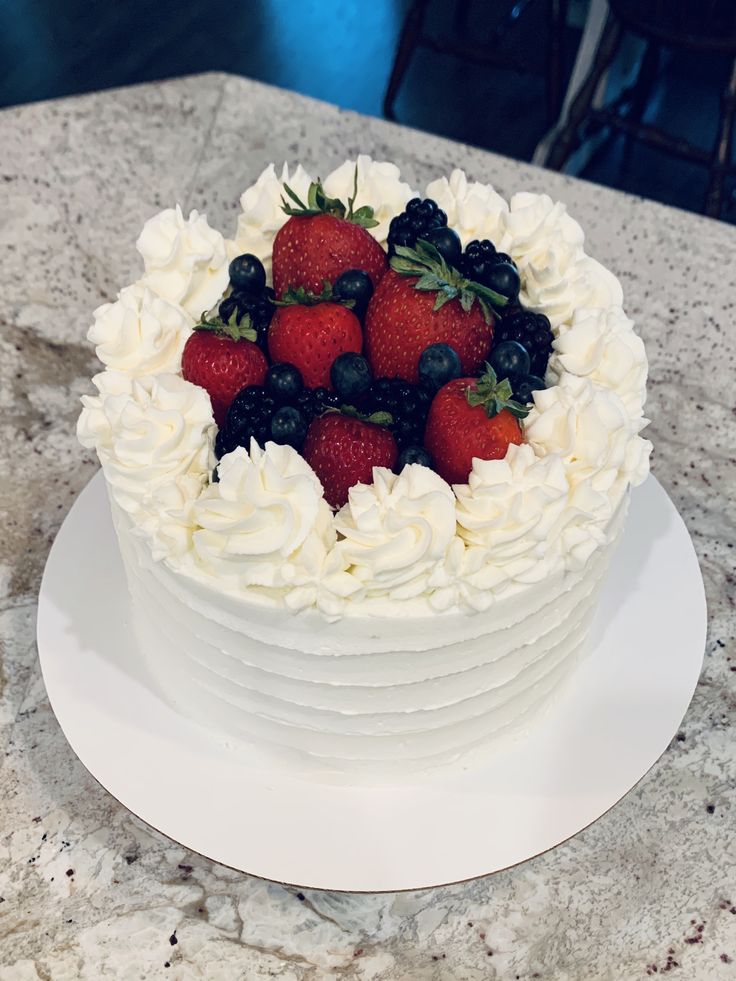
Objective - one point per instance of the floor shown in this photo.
(342, 51)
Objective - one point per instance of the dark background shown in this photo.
(342, 51)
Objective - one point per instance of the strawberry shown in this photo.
(222, 359)
(421, 301)
(471, 417)
(343, 451)
(309, 331)
(322, 239)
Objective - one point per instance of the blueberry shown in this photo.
(354, 284)
(523, 386)
(439, 364)
(413, 454)
(447, 242)
(288, 425)
(503, 278)
(284, 382)
(350, 375)
(510, 358)
(247, 273)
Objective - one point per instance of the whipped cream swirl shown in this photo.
(140, 333)
(379, 185)
(474, 210)
(601, 345)
(589, 427)
(253, 521)
(396, 529)
(185, 260)
(147, 432)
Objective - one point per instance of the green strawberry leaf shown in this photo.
(494, 395)
(243, 331)
(431, 271)
(298, 296)
(319, 204)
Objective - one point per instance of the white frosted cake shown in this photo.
(367, 575)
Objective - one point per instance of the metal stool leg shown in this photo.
(410, 34)
(722, 149)
(565, 141)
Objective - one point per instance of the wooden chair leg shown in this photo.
(410, 33)
(722, 149)
(566, 139)
(557, 24)
(642, 89)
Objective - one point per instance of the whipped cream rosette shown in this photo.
(140, 333)
(185, 260)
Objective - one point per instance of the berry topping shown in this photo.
(447, 242)
(350, 376)
(413, 454)
(310, 331)
(249, 309)
(414, 222)
(355, 285)
(523, 386)
(439, 364)
(284, 382)
(323, 239)
(406, 404)
(423, 301)
(222, 359)
(510, 358)
(471, 417)
(247, 273)
(249, 416)
(343, 451)
(481, 263)
(533, 331)
(288, 425)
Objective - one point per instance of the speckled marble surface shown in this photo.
(88, 891)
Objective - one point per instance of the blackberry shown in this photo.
(407, 403)
(418, 217)
(249, 416)
(533, 331)
(496, 270)
(258, 306)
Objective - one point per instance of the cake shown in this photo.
(367, 462)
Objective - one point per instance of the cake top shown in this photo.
(369, 401)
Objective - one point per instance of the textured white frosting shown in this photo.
(185, 260)
(140, 333)
(406, 543)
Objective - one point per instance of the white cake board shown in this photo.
(616, 717)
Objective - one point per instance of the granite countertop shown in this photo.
(87, 890)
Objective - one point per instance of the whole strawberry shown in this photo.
(343, 451)
(222, 358)
(422, 301)
(471, 417)
(310, 331)
(323, 239)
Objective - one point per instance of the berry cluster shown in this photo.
(420, 219)
(249, 298)
(357, 363)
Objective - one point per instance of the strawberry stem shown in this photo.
(319, 204)
(298, 296)
(434, 274)
(494, 395)
(243, 331)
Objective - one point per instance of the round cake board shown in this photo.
(614, 719)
